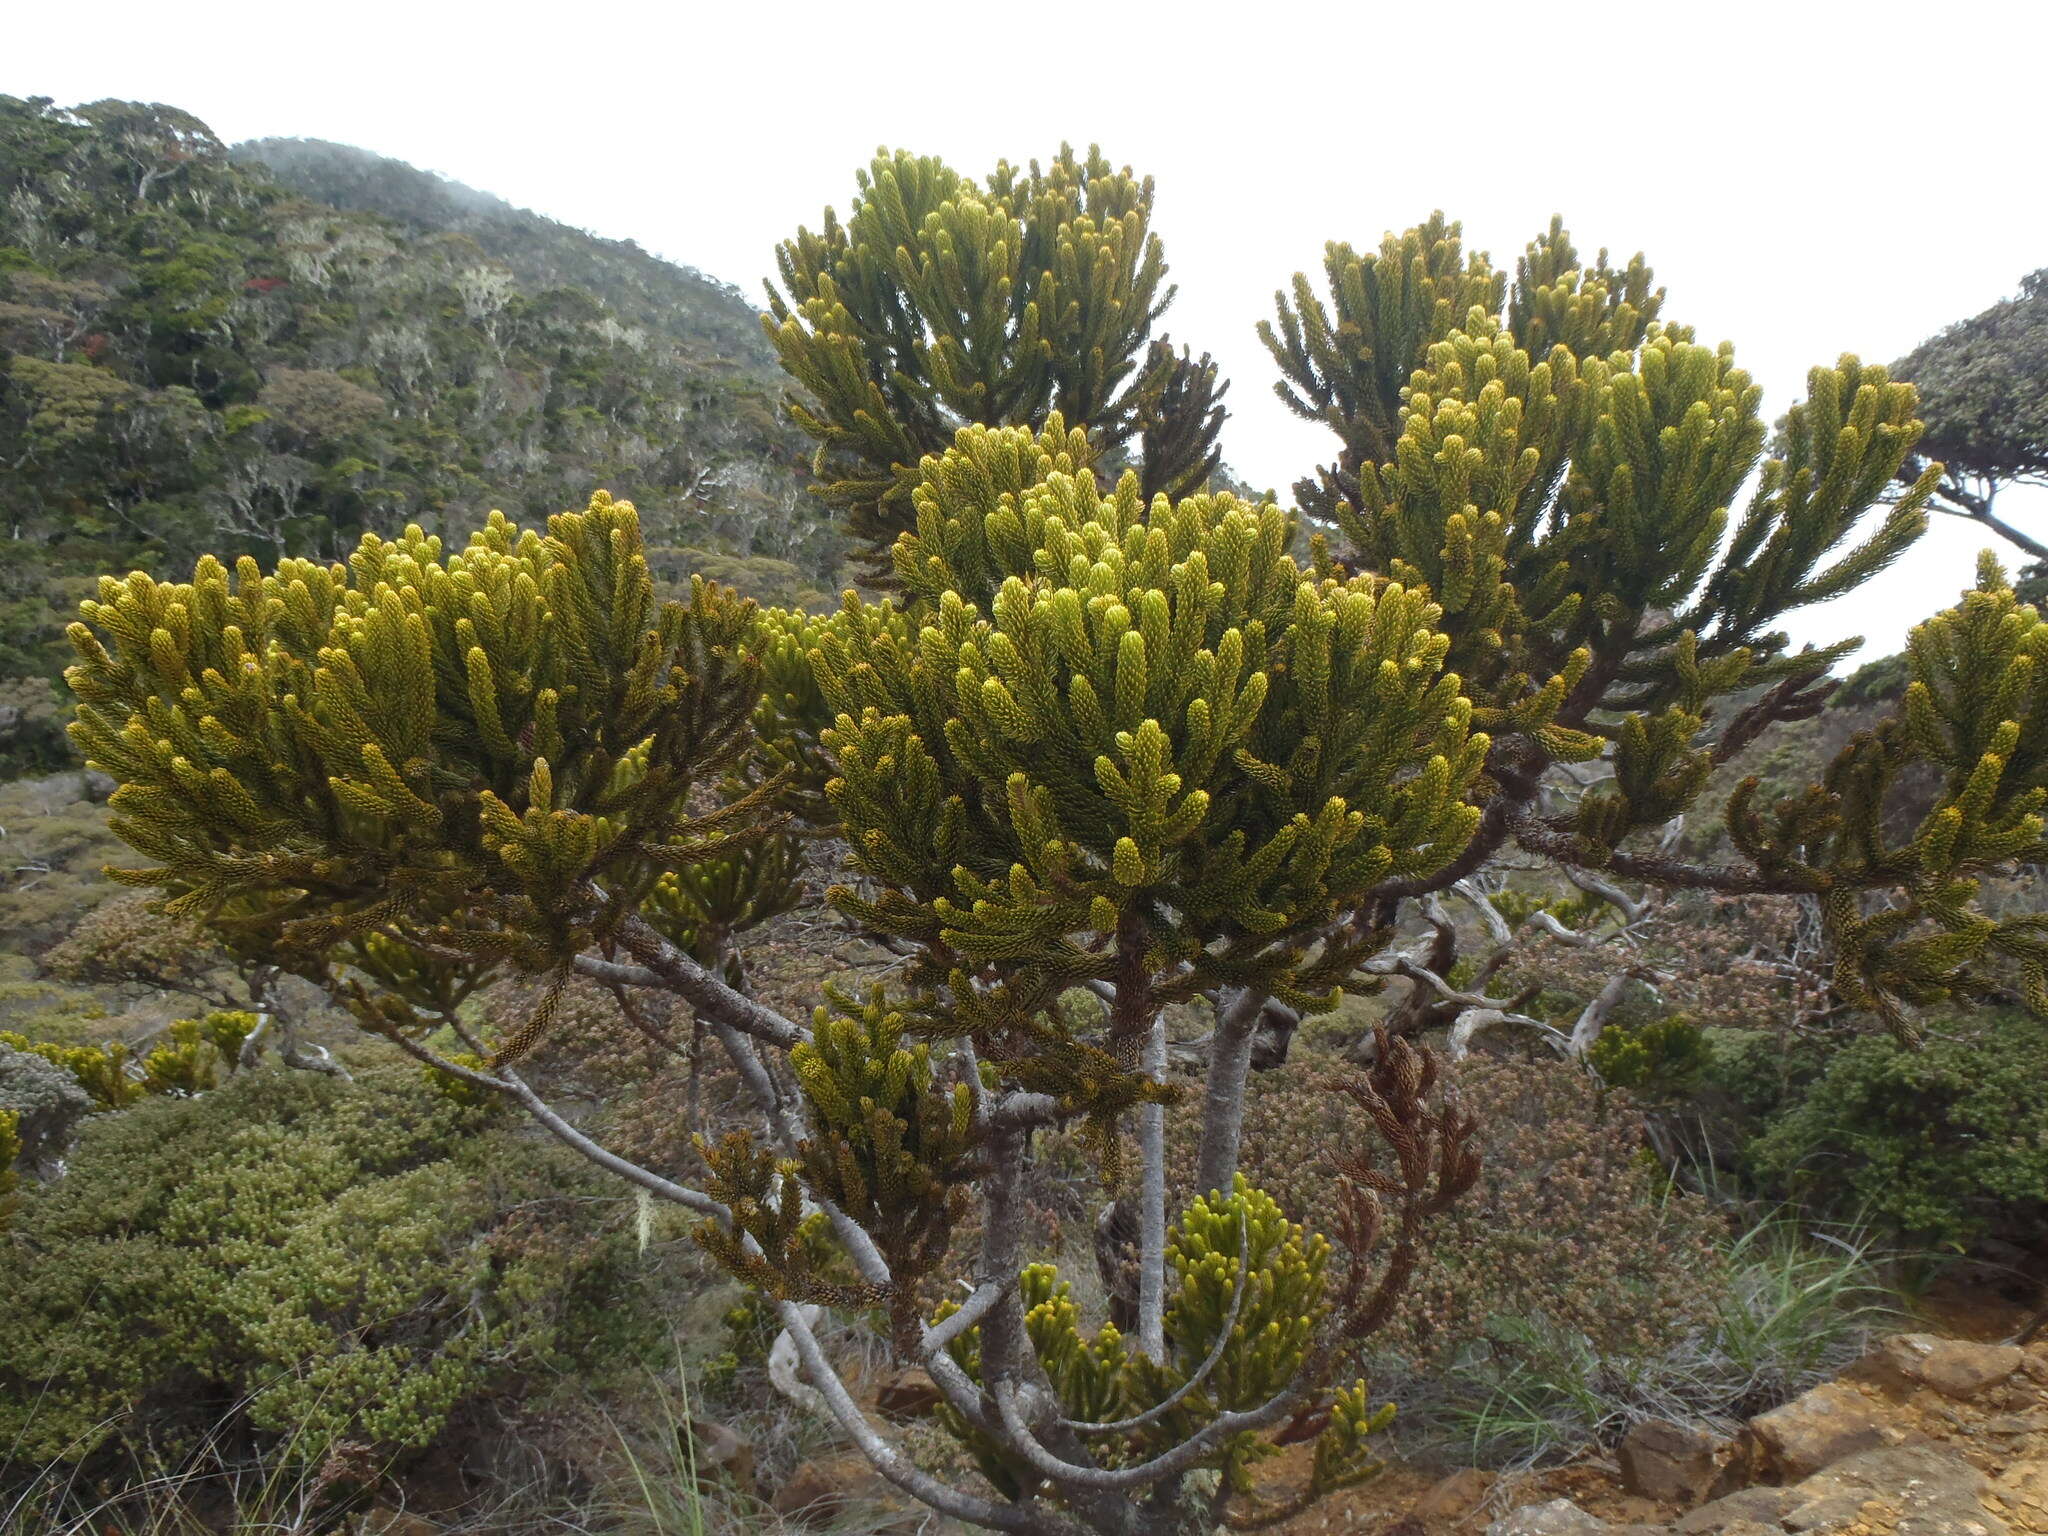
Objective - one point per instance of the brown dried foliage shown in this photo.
(1565, 1219)
(1434, 1159)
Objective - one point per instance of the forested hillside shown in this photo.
(707, 319)
(269, 350)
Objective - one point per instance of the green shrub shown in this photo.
(1660, 1057)
(10, 1149)
(1754, 1074)
(1788, 1313)
(303, 1257)
(1946, 1145)
(1878, 681)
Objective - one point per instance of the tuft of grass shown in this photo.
(210, 1490)
(1802, 1302)
(670, 1498)
(1798, 1302)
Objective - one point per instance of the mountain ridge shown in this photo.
(363, 181)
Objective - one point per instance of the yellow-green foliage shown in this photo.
(700, 907)
(1348, 370)
(1519, 906)
(1156, 709)
(1239, 1273)
(436, 983)
(392, 740)
(460, 1089)
(1976, 710)
(1119, 733)
(1219, 1245)
(334, 1260)
(1558, 465)
(101, 1070)
(186, 1059)
(185, 1062)
(793, 714)
(941, 301)
(889, 1144)
(1663, 1055)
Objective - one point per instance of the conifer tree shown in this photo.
(941, 302)
(1983, 386)
(1559, 466)
(1113, 736)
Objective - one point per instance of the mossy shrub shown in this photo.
(303, 1261)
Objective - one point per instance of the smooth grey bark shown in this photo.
(1594, 1018)
(1152, 1202)
(1230, 1062)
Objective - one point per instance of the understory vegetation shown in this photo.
(918, 945)
(254, 1299)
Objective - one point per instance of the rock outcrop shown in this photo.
(1925, 1436)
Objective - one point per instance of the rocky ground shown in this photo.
(1927, 1435)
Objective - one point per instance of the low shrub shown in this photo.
(188, 1058)
(1793, 1306)
(10, 1149)
(301, 1261)
(46, 1103)
(128, 941)
(1657, 1057)
(1943, 1146)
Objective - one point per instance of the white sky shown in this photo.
(1806, 178)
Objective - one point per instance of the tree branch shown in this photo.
(1476, 1021)
(1958, 501)
(513, 1086)
(1658, 869)
(702, 989)
(892, 1463)
(1152, 1201)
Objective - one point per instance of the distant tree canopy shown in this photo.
(1983, 386)
(703, 317)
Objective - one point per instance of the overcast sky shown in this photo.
(1807, 179)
